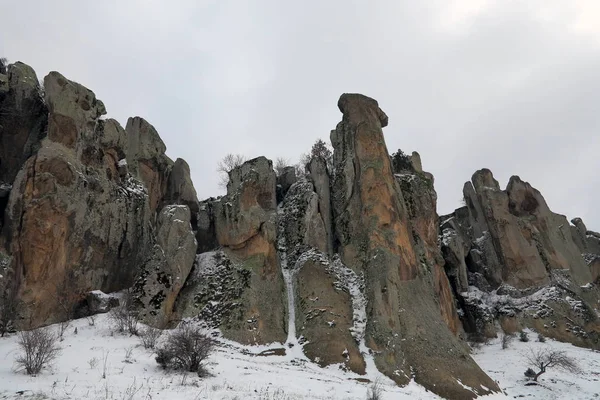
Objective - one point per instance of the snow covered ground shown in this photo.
(239, 373)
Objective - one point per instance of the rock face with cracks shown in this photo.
(405, 328)
(511, 259)
(80, 196)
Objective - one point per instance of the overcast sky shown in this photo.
(513, 86)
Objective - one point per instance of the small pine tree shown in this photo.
(401, 162)
(523, 337)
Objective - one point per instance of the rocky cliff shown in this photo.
(82, 196)
(511, 259)
(348, 264)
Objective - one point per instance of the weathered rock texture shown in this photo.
(350, 262)
(246, 228)
(508, 248)
(374, 236)
(81, 213)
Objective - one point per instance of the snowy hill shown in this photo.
(243, 372)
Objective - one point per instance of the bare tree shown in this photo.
(226, 165)
(545, 358)
(186, 349)
(39, 348)
(280, 164)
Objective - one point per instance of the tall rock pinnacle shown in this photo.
(373, 235)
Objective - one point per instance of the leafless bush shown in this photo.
(277, 394)
(93, 362)
(39, 348)
(506, 340)
(125, 317)
(186, 348)
(149, 337)
(280, 164)
(375, 391)
(544, 358)
(228, 163)
(3, 65)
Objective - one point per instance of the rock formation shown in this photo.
(81, 211)
(374, 235)
(349, 265)
(509, 257)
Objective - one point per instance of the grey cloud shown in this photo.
(512, 87)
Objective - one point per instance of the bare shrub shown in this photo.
(149, 337)
(280, 164)
(186, 348)
(3, 65)
(277, 394)
(506, 340)
(39, 348)
(375, 392)
(545, 358)
(226, 165)
(125, 317)
(93, 362)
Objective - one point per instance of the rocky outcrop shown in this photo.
(319, 176)
(23, 121)
(164, 274)
(511, 259)
(374, 236)
(420, 198)
(246, 228)
(81, 194)
(71, 219)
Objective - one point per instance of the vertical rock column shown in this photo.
(405, 328)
